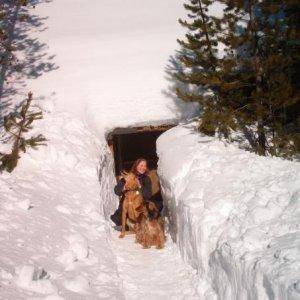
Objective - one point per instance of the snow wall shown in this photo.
(52, 229)
(233, 214)
(109, 201)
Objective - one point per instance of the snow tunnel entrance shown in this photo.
(129, 144)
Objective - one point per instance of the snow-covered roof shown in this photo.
(111, 58)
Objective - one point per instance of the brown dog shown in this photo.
(132, 200)
(149, 228)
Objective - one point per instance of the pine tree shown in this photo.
(18, 125)
(254, 88)
(292, 41)
(199, 57)
(260, 72)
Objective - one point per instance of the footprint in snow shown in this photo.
(34, 279)
(25, 204)
(78, 251)
(63, 209)
(78, 285)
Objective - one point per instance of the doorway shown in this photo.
(129, 144)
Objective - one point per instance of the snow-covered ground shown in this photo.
(99, 65)
(92, 67)
(56, 242)
(51, 221)
(234, 215)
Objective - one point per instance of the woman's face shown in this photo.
(141, 167)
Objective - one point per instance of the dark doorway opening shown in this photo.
(129, 144)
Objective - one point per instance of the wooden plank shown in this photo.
(128, 130)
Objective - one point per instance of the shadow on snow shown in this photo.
(31, 58)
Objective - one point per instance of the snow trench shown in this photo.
(144, 273)
(234, 215)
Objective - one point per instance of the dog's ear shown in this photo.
(124, 174)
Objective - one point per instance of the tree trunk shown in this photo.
(261, 138)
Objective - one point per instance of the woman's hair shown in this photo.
(136, 163)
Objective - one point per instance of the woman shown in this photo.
(140, 169)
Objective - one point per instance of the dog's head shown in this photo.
(131, 182)
(153, 212)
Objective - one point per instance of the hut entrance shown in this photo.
(129, 144)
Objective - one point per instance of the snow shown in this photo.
(107, 56)
(78, 250)
(93, 67)
(169, 275)
(63, 247)
(145, 273)
(31, 279)
(64, 232)
(89, 61)
(234, 215)
(78, 285)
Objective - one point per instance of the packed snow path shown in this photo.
(152, 273)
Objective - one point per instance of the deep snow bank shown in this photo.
(53, 235)
(110, 59)
(234, 215)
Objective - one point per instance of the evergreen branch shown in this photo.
(9, 161)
